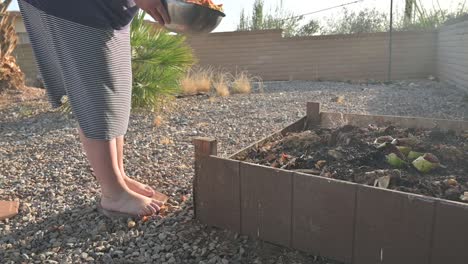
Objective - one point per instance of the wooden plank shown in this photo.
(392, 227)
(332, 119)
(323, 216)
(313, 114)
(294, 127)
(204, 147)
(218, 190)
(298, 126)
(450, 240)
(266, 203)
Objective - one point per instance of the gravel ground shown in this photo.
(42, 164)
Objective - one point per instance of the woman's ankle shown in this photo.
(114, 190)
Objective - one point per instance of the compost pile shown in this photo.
(432, 163)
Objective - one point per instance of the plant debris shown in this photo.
(426, 162)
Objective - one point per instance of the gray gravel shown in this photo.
(42, 164)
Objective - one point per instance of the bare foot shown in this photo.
(135, 186)
(130, 203)
(139, 187)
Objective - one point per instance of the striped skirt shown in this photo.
(91, 66)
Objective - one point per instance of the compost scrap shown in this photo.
(427, 162)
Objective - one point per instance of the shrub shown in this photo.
(159, 62)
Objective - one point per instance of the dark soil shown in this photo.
(352, 154)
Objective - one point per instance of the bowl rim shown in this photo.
(222, 14)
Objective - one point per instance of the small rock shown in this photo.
(225, 261)
(162, 236)
(102, 227)
(26, 208)
(168, 247)
(213, 260)
(241, 251)
(131, 224)
(335, 154)
(171, 260)
(118, 252)
(84, 255)
(100, 248)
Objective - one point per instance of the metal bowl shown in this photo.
(189, 18)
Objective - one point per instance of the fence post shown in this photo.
(204, 147)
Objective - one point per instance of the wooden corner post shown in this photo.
(313, 114)
(204, 147)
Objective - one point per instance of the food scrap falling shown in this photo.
(207, 3)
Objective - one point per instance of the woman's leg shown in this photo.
(116, 196)
(135, 186)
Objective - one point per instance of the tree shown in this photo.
(365, 21)
(11, 76)
(309, 29)
(257, 15)
(409, 9)
(243, 23)
(278, 19)
(429, 19)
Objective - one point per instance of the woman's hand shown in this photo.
(156, 9)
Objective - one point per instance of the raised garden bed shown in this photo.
(311, 187)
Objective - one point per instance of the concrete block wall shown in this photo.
(452, 54)
(25, 58)
(340, 57)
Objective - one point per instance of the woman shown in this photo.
(82, 48)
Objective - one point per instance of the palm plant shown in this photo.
(11, 76)
(159, 61)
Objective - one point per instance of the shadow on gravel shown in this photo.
(83, 235)
(40, 124)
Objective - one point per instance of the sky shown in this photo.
(233, 8)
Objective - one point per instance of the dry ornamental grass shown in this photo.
(201, 80)
(221, 86)
(242, 84)
(197, 81)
